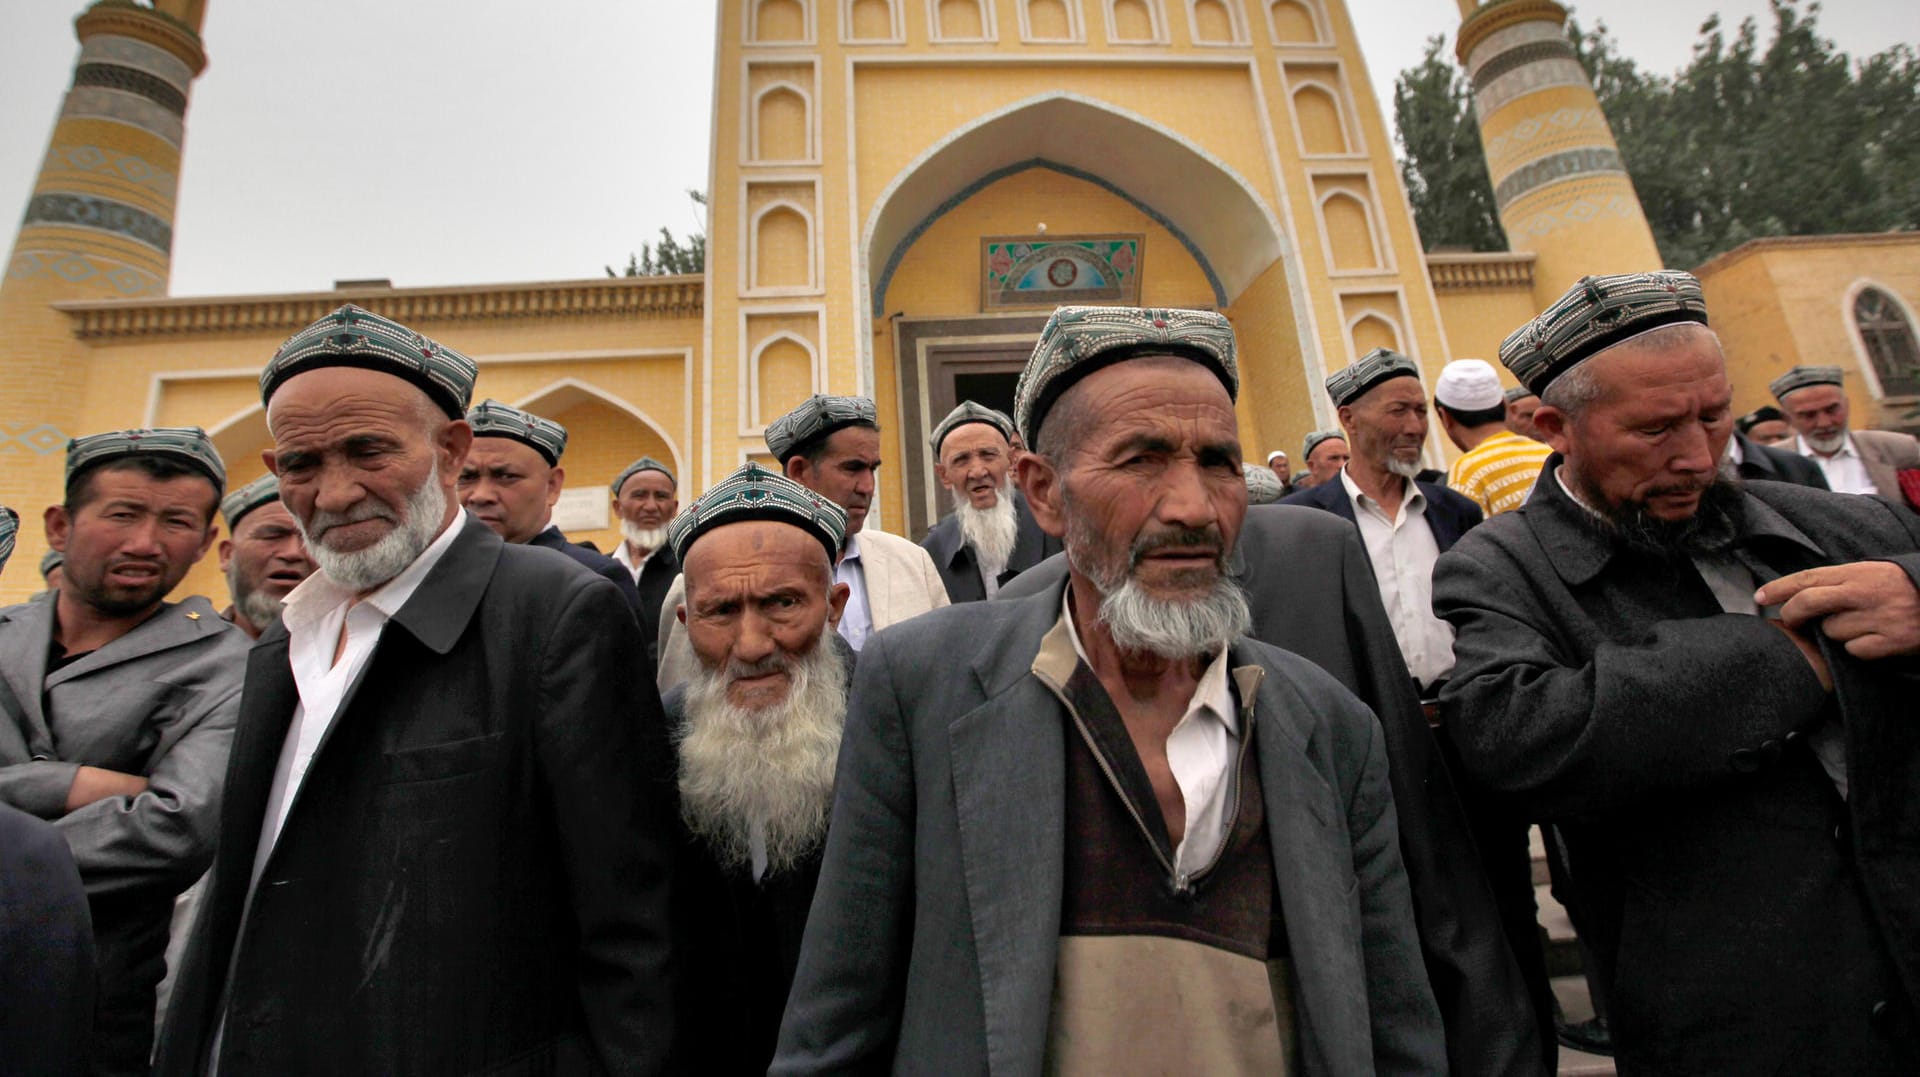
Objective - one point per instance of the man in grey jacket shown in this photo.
(117, 707)
(1110, 832)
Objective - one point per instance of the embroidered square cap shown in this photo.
(1803, 377)
(970, 412)
(1596, 314)
(356, 337)
(51, 560)
(1076, 341)
(187, 444)
(1377, 366)
(1319, 437)
(645, 463)
(492, 419)
(9, 527)
(817, 417)
(264, 490)
(756, 493)
(1263, 486)
(1518, 393)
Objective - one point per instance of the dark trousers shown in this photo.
(130, 940)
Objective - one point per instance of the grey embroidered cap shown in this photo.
(1076, 341)
(187, 444)
(1803, 377)
(1594, 315)
(1263, 486)
(755, 493)
(645, 463)
(1315, 439)
(970, 412)
(817, 417)
(264, 490)
(1518, 393)
(9, 526)
(1377, 366)
(51, 560)
(492, 419)
(352, 336)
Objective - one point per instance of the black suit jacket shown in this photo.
(1759, 461)
(46, 952)
(961, 573)
(596, 561)
(1754, 921)
(474, 875)
(656, 579)
(1311, 587)
(1448, 514)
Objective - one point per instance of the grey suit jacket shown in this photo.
(1311, 586)
(1886, 452)
(935, 926)
(159, 702)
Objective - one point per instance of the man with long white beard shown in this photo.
(263, 555)
(645, 500)
(1097, 829)
(991, 536)
(447, 834)
(758, 726)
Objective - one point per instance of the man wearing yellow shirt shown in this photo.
(1499, 467)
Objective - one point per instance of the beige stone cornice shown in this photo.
(629, 297)
(1773, 243)
(143, 24)
(1461, 272)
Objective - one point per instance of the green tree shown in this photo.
(1442, 162)
(669, 255)
(1789, 138)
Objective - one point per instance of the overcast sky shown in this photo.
(469, 141)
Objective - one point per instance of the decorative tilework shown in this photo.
(74, 268)
(1576, 126)
(86, 211)
(129, 52)
(1519, 82)
(100, 103)
(96, 160)
(1552, 168)
(40, 439)
(134, 81)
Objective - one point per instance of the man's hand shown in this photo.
(92, 784)
(1870, 607)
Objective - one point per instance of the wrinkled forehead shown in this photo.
(339, 398)
(768, 551)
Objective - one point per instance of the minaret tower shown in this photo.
(99, 225)
(1558, 178)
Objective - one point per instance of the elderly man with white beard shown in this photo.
(991, 535)
(757, 725)
(1097, 829)
(446, 839)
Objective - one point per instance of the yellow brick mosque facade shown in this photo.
(899, 191)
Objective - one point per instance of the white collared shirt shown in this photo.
(856, 620)
(1846, 472)
(1733, 587)
(1403, 551)
(623, 554)
(1203, 751)
(318, 614)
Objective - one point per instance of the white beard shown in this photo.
(1827, 446)
(363, 570)
(991, 532)
(258, 607)
(643, 538)
(770, 769)
(1170, 628)
(1406, 469)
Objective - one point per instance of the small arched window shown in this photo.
(1888, 337)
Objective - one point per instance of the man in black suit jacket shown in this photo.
(512, 478)
(446, 837)
(1712, 688)
(990, 536)
(1311, 590)
(1753, 460)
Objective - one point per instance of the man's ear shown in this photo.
(556, 481)
(226, 553)
(1552, 424)
(451, 444)
(796, 469)
(59, 526)
(1345, 416)
(1041, 482)
(939, 473)
(836, 605)
(680, 612)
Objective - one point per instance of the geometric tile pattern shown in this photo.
(106, 162)
(105, 214)
(1535, 174)
(75, 268)
(40, 439)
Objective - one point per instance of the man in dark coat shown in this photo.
(512, 478)
(1752, 460)
(990, 536)
(446, 841)
(1311, 591)
(757, 727)
(645, 499)
(1712, 687)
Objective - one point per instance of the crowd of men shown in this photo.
(1110, 772)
